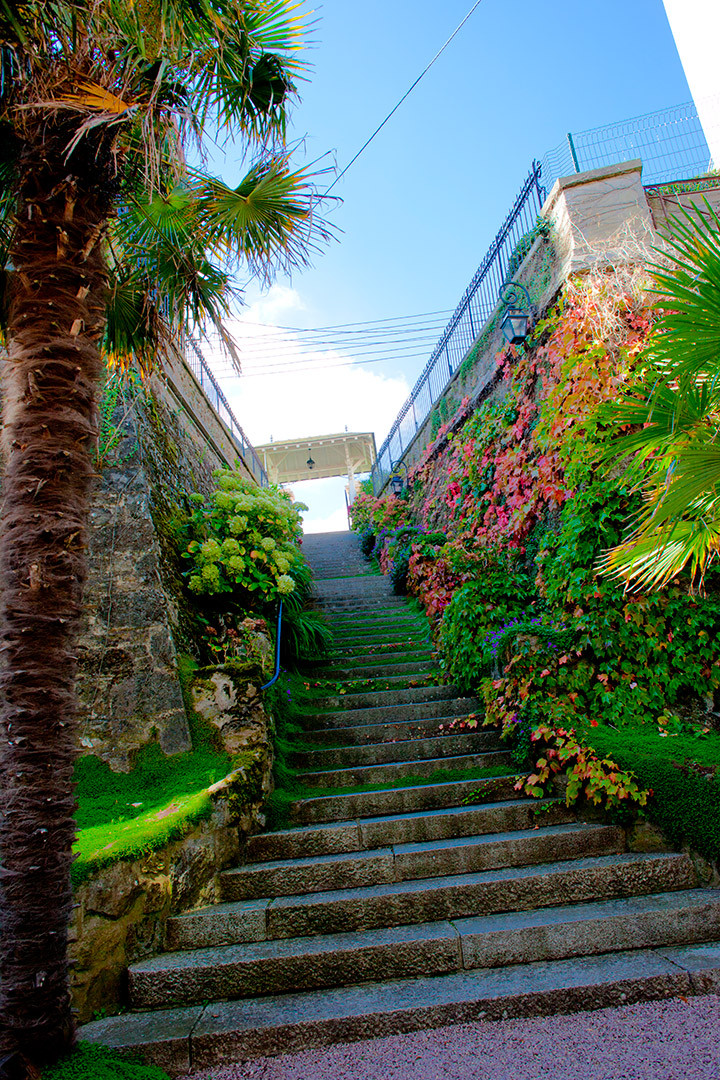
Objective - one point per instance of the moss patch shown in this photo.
(124, 815)
(683, 773)
(91, 1062)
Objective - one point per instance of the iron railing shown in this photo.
(670, 143)
(211, 388)
(475, 308)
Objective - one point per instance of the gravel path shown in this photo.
(665, 1040)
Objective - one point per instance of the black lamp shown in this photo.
(517, 310)
(515, 326)
(310, 463)
(396, 482)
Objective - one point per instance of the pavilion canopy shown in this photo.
(331, 455)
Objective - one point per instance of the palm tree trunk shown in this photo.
(56, 317)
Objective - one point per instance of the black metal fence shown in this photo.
(670, 143)
(211, 388)
(475, 308)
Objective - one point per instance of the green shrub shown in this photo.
(475, 610)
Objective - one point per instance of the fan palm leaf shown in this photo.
(671, 451)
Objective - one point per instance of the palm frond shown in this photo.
(266, 221)
(671, 450)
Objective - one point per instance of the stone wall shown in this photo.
(170, 440)
(122, 910)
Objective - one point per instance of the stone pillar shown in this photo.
(601, 218)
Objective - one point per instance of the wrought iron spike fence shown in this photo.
(211, 388)
(670, 143)
(472, 313)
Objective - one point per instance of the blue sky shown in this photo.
(422, 204)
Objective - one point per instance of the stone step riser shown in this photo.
(384, 753)
(373, 659)
(383, 698)
(355, 622)
(367, 651)
(364, 734)
(343, 644)
(410, 863)
(402, 800)
(420, 710)
(370, 834)
(341, 688)
(402, 770)
(196, 1038)
(407, 669)
(472, 895)
(429, 950)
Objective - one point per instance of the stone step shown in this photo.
(402, 799)
(242, 921)
(345, 605)
(369, 833)
(362, 734)
(408, 669)
(366, 646)
(361, 587)
(204, 1036)
(344, 757)
(425, 860)
(390, 714)
(427, 949)
(515, 888)
(400, 616)
(394, 636)
(371, 662)
(360, 775)
(359, 683)
(383, 698)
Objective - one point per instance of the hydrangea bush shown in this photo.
(245, 541)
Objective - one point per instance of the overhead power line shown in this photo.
(362, 322)
(407, 94)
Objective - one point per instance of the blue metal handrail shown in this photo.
(276, 676)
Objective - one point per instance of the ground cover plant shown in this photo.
(582, 677)
(90, 1062)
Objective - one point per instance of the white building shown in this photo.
(695, 25)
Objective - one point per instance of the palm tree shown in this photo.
(109, 240)
(672, 452)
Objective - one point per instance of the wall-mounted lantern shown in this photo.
(397, 483)
(518, 312)
(310, 463)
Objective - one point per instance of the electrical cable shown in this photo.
(405, 95)
(339, 326)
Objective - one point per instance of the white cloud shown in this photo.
(319, 400)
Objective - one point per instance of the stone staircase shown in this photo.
(422, 900)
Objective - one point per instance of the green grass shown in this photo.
(683, 773)
(91, 1062)
(107, 797)
(124, 815)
